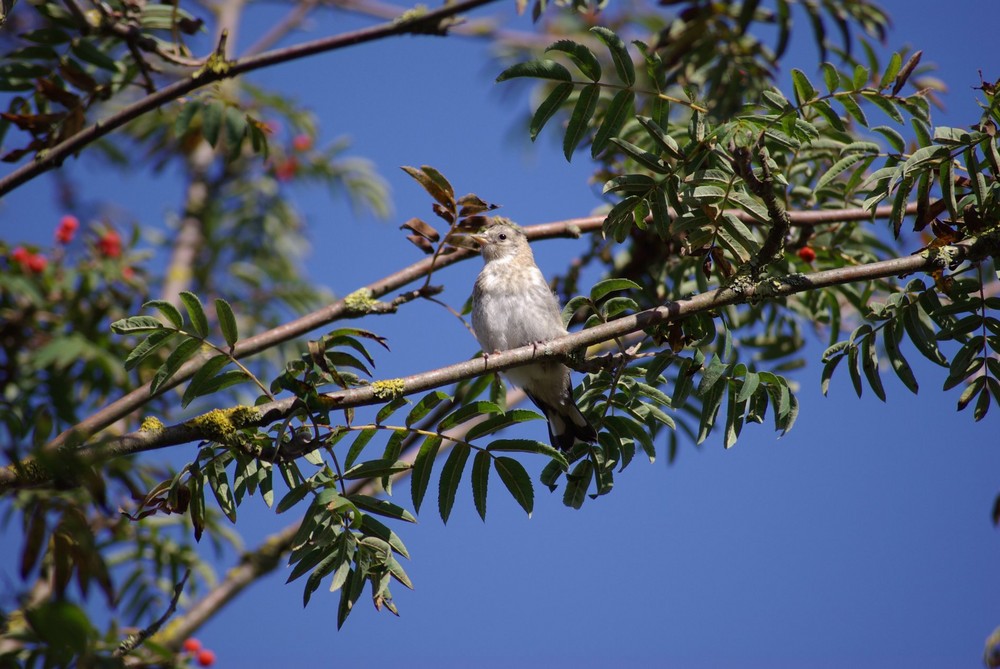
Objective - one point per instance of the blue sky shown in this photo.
(862, 538)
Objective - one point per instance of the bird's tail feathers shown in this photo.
(567, 425)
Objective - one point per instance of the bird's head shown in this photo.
(501, 239)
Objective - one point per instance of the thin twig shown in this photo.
(133, 641)
(417, 23)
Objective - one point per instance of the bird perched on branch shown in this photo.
(512, 306)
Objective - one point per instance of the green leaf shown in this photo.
(527, 446)
(196, 312)
(891, 135)
(358, 446)
(549, 106)
(603, 288)
(946, 179)
(885, 104)
(828, 370)
(711, 375)
(896, 358)
(354, 586)
(381, 507)
(826, 111)
(187, 349)
(86, 50)
(839, 168)
(583, 111)
(451, 476)
(978, 385)
(499, 422)
(831, 78)
(422, 466)
(134, 324)
(184, 117)
(804, 91)
(219, 482)
(169, 311)
(227, 321)
(891, 70)
(376, 468)
(389, 409)
(581, 55)
(619, 54)
(518, 482)
(372, 527)
(630, 183)
(852, 108)
(235, 123)
(153, 342)
(425, 405)
(667, 143)
(293, 497)
(469, 411)
(480, 481)
(205, 372)
(615, 116)
(211, 121)
(536, 69)
(869, 363)
(749, 386)
(648, 160)
(577, 484)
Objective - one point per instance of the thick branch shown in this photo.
(417, 23)
(768, 288)
(251, 346)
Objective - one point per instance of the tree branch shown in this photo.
(30, 473)
(252, 345)
(413, 23)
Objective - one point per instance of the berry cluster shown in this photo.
(203, 656)
(108, 245)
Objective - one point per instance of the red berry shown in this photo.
(37, 263)
(191, 645)
(68, 226)
(302, 142)
(286, 169)
(206, 658)
(128, 273)
(807, 254)
(110, 244)
(20, 255)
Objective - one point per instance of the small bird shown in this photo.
(513, 306)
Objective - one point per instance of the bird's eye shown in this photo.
(503, 237)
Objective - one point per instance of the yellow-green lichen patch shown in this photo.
(360, 301)
(151, 424)
(223, 425)
(388, 389)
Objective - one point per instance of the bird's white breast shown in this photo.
(514, 307)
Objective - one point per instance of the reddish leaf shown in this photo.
(421, 228)
(35, 123)
(472, 204)
(444, 212)
(421, 243)
(57, 93)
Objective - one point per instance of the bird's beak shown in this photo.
(468, 241)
